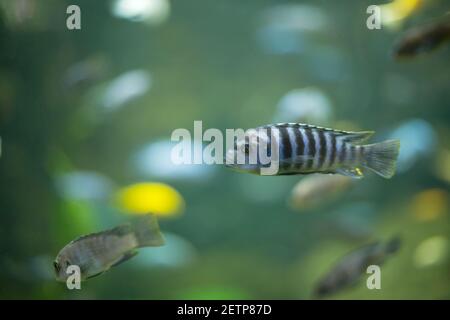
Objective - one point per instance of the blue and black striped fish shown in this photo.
(303, 149)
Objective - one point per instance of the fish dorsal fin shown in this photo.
(117, 231)
(350, 136)
(351, 172)
(357, 137)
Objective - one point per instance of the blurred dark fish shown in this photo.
(350, 268)
(316, 189)
(422, 39)
(303, 149)
(96, 253)
(86, 72)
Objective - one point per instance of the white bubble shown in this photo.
(151, 11)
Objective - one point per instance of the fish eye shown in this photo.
(245, 148)
(56, 266)
(68, 263)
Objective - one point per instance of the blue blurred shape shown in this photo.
(125, 88)
(154, 160)
(88, 185)
(285, 27)
(417, 139)
(177, 252)
(308, 105)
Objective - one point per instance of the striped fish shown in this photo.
(303, 149)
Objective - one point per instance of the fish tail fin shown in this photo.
(393, 245)
(147, 233)
(382, 157)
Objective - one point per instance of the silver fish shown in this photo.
(98, 252)
(302, 149)
(350, 268)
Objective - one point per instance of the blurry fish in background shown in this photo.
(352, 266)
(25, 14)
(394, 13)
(442, 167)
(430, 204)
(158, 198)
(418, 141)
(98, 252)
(304, 149)
(86, 72)
(153, 160)
(351, 222)
(285, 28)
(423, 39)
(431, 251)
(125, 88)
(84, 185)
(37, 269)
(307, 105)
(177, 252)
(153, 12)
(315, 190)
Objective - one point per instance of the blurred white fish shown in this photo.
(306, 105)
(85, 72)
(177, 252)
(152, 12)
(88, 185)
(418, 141)
(154, 160)
(125, 88)
(317, 189)
(285, 27)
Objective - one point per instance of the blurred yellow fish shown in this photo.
(393, 13)
(98, 252)
(158, 198)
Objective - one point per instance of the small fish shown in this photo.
(312, 190)
(349, 269)
(303, 149)
(98, 252)
(422, 39)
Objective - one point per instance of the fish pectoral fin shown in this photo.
(351, 172)
(128, 255)
(95, 275)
